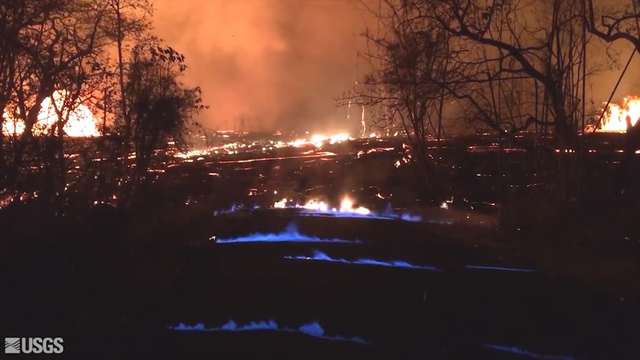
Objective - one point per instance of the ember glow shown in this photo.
(320, 256)
(81, 121)
(312, 329)
(617, 118)
(291, 234)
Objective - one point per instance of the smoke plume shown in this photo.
(267, 64)
(279, 64)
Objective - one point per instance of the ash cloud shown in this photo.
(277, 64)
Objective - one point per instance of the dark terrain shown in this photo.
(111, 281)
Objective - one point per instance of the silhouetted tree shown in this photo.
(47, 42)
(412, 60)
(508, 65)
(620, 24)
(540, 42)
(66, 47)
(161, 107)
(127, 22)
(525, 45)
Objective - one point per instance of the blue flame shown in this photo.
(320, 256)
(497, 268)
(291, 234)
(388, 214)
(529, 354)
(340, 214)
(312, 329)
(235, 208)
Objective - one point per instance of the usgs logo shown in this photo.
(35, 345)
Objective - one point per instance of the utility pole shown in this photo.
(354, 92)
(584, 75)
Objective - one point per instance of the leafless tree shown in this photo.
(508, 66)
(48, 41)
(412, 60)
(62, 50)
(127, 22)
(614, 25)
(161, 107)
(523, 40)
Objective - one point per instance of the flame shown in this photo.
(290, 234)
(311, 329)
(346, 207)
(320, 208)
(618, 118)
(81, 121)
(280, 204)
(319, 140)
(320, 256)
(316, 206)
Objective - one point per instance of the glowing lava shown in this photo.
(81, 122)
(312, 329)
(291, 234)
(618, 118)
(317, 141)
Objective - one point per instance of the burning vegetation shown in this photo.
(77, 119)
(621, 117)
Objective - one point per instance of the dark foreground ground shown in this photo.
(110, 299)
(112, 282)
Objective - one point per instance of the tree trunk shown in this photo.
(3, 105)
(123, 98)
(62, 170)
(625, 168)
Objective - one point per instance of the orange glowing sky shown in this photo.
(282, 62)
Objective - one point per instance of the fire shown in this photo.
(346, 207)
(280, 204)
(615, 119)
(81, 121)
(319, 140)
(316, 205)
